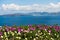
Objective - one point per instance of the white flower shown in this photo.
(19, 33)
(31, 37)
(52, 38)
(45, 29)
(15, 31)
(34, 39)
(36, 34)
(30, 31)
(26, 39)
(38, 31)
(46, 36)
(49, 33)
(7, 39)
(8, 32)
(19, 37)
(5, 33)
(1, 36)
(55, 34)
(12, 33)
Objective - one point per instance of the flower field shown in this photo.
(30, 32)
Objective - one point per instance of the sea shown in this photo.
(27, 20)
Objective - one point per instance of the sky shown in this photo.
(17, 6)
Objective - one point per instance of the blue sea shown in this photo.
(25, 20)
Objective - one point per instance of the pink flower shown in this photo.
(49, 31)
(56, 28)
(7, 30)
(20, 29)
(26, 31)
(12, 28)
(0, 33)
(32, 28)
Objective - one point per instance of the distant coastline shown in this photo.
(34, 14)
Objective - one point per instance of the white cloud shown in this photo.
(51, 7)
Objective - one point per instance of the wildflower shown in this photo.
(49, 31)
(52, 38)
(6, 29)
(30, 31)
(45, 29)
(26, 31)
(0, 33)
(7, 39)
(12, 29)
(57, 36)
(19, 38)
(15, 31)
(46, 36)
(26, 39)
(56, 28)
(8, 32)
(5, 33)
(19, 33)
(1, 36)
(30, 36)
(12, 33)
(39, 31)
(20, 29)
(36, 34)
(32, 28)
(34, 39)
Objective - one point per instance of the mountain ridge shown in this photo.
(34, 14)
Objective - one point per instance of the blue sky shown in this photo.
(12, 6)
(25, 2)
